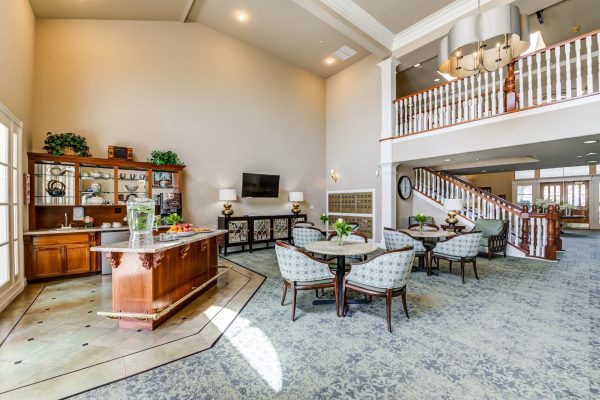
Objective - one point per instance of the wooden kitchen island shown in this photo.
(151, 282)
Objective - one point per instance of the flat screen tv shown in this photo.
(260, 185)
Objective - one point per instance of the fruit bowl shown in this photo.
(131, 188)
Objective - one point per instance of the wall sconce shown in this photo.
(333, 175)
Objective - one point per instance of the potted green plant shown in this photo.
(324, 218)
(168, 157)
(70, 144)
(421, 219)
(174, 219)
(342, 230)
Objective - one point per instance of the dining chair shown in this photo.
(385, 275)
(395, 240)
(301, 271)
(354, 226)
(462, 248)
(412, 220)
(303, 224)
(305, 235)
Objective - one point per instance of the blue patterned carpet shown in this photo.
(526, 330)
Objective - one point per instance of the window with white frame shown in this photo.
(9, 202)
(525, 194)
(577, 194)
(551, 192)
(580, 170)
(527, 174)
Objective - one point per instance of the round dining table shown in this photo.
(332, 248)
(427, 234)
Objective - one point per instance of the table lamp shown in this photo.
(452, 205)
(296, 198)
(227, 195)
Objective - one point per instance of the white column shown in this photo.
(388, 168)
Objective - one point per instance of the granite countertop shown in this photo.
(156, 247)
(59, 231)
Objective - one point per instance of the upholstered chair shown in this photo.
(395, 240)
(412, 220)
(462, 248)
(306, 235)
(300, 271)
(303, 224)
(495, 236)
(354, 226)
(385, 275)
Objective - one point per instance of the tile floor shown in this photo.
(52, 343)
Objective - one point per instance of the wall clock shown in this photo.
(404, 187)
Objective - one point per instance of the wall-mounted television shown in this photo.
(260, 185)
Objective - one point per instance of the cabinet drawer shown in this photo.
(41, 240)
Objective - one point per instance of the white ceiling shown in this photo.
(397, 15)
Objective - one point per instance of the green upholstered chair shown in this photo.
(495, 233)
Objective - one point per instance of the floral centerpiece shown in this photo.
(324, 218)
(342, 229)
(88, 221)
(421, 219)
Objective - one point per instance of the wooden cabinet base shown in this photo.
(149, 283)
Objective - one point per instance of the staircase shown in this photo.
(530, 233)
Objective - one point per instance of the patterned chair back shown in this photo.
(412, 220)
(464, 245)
(395, 240)
(389, 270)
(304, 236)
(353, 237)
(298, 266)
(354, 226)
(303, 224)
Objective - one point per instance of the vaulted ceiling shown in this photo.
(307, 32)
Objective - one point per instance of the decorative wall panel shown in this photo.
(280, 228)
(262, 229)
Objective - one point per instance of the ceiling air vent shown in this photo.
(344, 53)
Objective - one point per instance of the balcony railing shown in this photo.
(561, 72)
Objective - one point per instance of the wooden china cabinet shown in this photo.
(102, 187)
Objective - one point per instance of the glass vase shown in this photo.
(420, 227)
(140, 216)
(340, 239)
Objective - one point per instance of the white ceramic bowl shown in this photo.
(106, 225)
(117, 225)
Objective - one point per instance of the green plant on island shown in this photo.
(342, 230)
(174, 219)
(58, 144)
(168, 157)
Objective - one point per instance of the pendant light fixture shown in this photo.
(484, 41)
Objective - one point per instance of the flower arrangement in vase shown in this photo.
(342, 230)
(324, 218)
(421, 219)
(88, 221)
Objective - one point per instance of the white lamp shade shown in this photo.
(227, 195)
(453, 204)
(296, 196)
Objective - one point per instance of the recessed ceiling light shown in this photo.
(241, 16)
(447, 160)
(322, 41)
(592, 161)
(329, 60)
(590, 141)
(437, 80)
(591, 154)
(579, 156)
(417, 65)
(477, 159)
(484, 170)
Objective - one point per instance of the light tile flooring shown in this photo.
(52, 343)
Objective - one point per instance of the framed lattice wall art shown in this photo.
(353, 206)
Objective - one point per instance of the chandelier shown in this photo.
(484, 42)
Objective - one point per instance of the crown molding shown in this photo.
(437, 24)
(362, 20)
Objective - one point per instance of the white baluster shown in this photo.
(517, 230)
(429, 111)
(473, 115)
(468, 204)
(501, 92)
(497, 214)
(538, 65)
(548, 78)
(410, 115)
(531, 236)
(397, 110)
(568, 70)
(447, 112)
(544, 241)
(486, 108)
(420, 113)
(529, 83)
(479, 96)
(479, 205)
(459, 105)
(598, 40)
(521, 102)
(494, 111)
(435, 108)
(590, 77)
(558, 82)
(578, 67)
(453, 115)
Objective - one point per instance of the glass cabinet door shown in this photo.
(132, 183)
(164, 182)
(96, 185)
(54, 184)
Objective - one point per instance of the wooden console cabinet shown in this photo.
(255, 229)
(48, 256)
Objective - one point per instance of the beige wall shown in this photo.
(500, 182)
(223, 106)
(353, 109)
(17, 34)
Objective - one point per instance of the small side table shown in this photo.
(455, 228)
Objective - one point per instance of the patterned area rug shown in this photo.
(526, 330)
